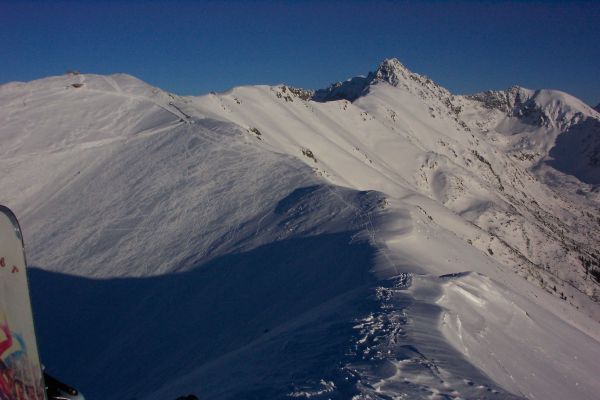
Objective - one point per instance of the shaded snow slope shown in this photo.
(261, 244)
(146, 333)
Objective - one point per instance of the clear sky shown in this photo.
(195, 47)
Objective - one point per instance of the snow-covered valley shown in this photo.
(378, 239)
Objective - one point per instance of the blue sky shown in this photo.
(195, 47)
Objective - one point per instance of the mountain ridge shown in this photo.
(131, 89)
(436, 207)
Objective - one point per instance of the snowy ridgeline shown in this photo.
(375, 239)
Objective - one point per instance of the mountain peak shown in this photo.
(392, 63)
(390, 70)
(597, 108)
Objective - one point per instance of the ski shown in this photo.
(21, 374)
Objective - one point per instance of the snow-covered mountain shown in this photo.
(378, 238)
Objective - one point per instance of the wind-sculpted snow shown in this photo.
(397, 354)
(260, 244)
(481, 317)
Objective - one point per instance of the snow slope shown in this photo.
(365, 241)
(413, 138)
(547, 127)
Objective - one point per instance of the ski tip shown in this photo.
(15, 222)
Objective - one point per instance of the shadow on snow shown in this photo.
(227, 319)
